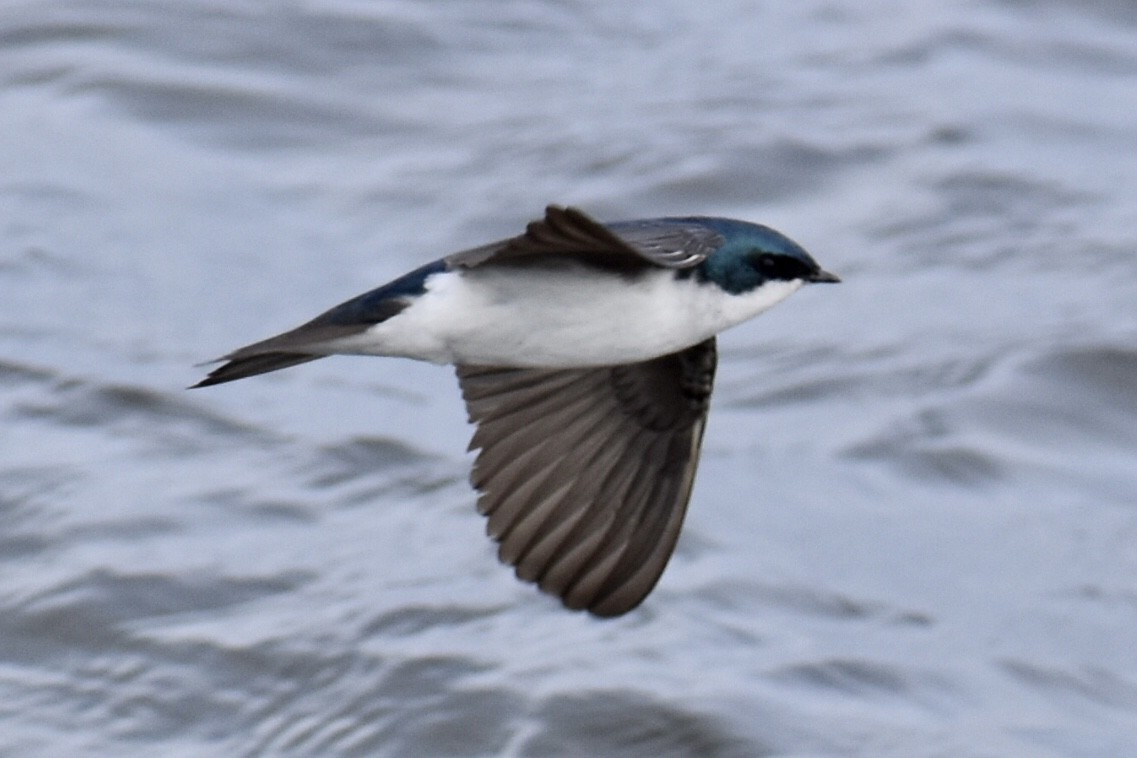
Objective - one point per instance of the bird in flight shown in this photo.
(586, 355)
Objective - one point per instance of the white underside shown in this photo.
(574, 316)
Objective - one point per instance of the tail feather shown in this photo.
(260, 363)
(318, 338)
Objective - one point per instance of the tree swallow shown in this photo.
(585, 353)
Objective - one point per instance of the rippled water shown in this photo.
(915, 528)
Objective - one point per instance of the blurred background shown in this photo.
(915, 527)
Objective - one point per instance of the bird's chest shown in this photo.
(573, 316)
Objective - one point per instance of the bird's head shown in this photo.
(751, 255)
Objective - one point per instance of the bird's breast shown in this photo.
(559, 317)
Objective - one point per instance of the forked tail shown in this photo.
(260, 363)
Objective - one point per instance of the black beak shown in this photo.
(821, 276)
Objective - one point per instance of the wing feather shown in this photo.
(586, 473)
(625, 247)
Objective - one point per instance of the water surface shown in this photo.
(915, 527)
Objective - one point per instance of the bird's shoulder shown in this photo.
(625, 246)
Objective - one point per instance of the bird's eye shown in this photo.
(780, 267)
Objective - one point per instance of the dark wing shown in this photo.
(625, 247)
(585, 474)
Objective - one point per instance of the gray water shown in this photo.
(915, 527)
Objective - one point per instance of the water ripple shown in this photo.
(626, 723)
(1091, 684)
